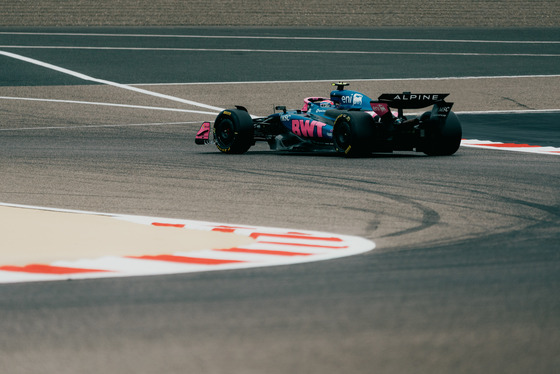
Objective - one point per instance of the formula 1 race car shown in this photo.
(347, 122)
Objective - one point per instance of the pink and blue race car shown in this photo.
(347, 122)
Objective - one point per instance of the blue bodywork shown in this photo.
(317, 122)
(351, 100)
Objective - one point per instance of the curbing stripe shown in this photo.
(516, 147)
(186, 260)
(47, 269)
(265, 252)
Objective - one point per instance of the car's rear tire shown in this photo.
(234, 131)
(354, 134)
(443, 137)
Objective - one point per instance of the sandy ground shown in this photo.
(351, 13)
(39, 236)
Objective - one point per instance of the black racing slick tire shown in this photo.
(354, 134)
(443, 138)
(234, 131)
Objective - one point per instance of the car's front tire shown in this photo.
(234, 131)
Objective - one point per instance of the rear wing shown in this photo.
(408, 100)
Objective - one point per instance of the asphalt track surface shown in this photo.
(466, 274)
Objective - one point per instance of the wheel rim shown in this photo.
(225, 133)
(342, 135)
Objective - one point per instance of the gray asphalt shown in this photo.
(465, 277)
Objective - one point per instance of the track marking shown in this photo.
(308, 51)
(510, 111)
(413, 40)
(103, 81)
(352, 80)
(99, 126)
(107, 104)
(287, 247)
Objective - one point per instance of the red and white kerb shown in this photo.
(271, 246)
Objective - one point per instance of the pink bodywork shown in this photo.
(308, 100)
(203, 133)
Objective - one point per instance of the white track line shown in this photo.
(108, 104)
(103, 81)
(290, 51)
(412, 40)
(510, 111)
(352, 80)
(99, 126)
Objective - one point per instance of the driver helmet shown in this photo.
(327, 104)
